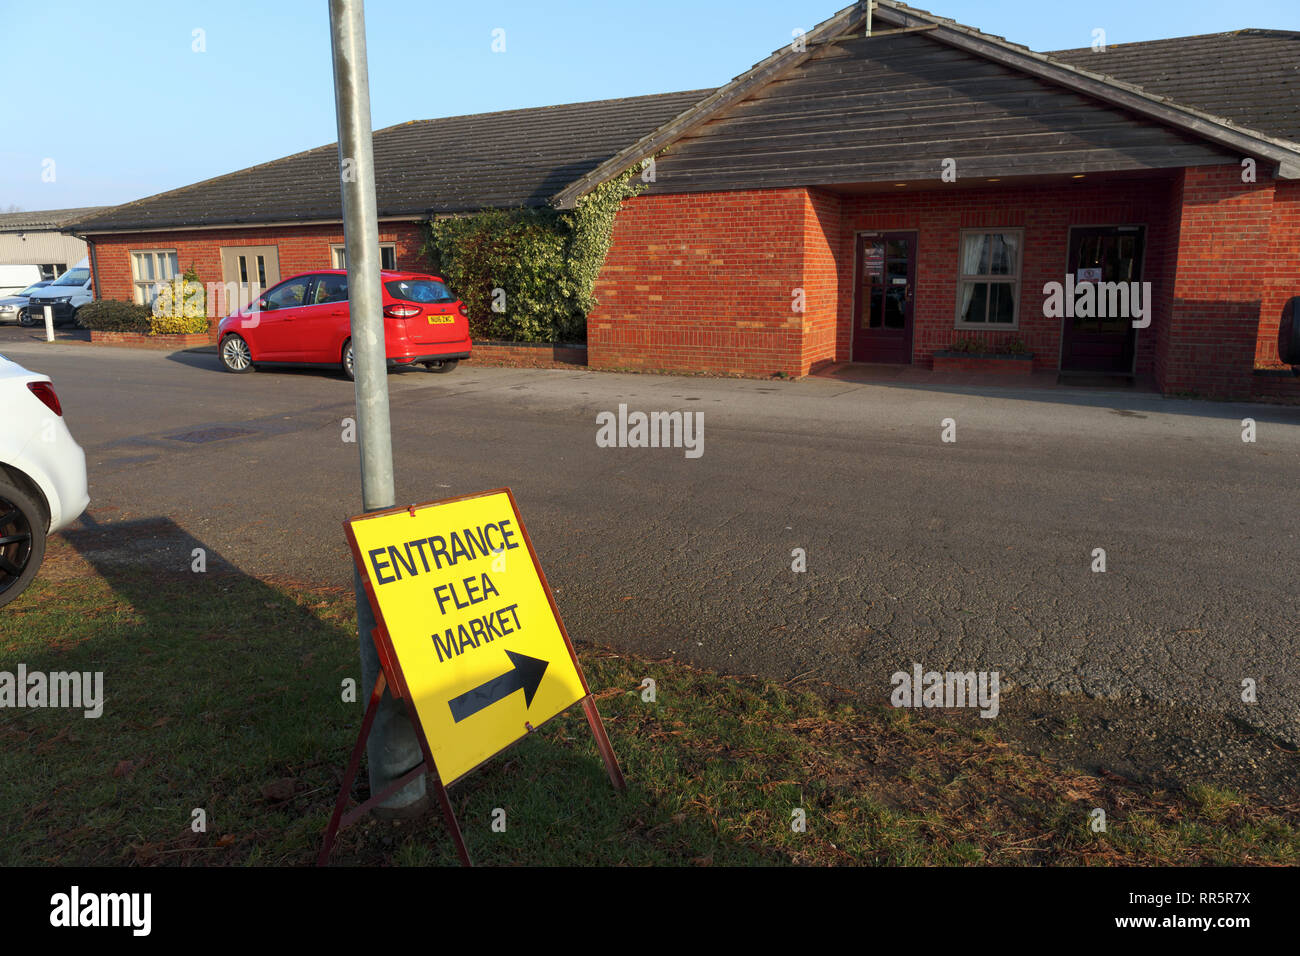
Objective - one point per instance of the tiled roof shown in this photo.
(1251, 77)
(460, 163)
(44, 219)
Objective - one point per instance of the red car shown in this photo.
(305, 321)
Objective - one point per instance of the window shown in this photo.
(287, 296)
(149, 270)
(387, 256)
(419, 290)
(988, 284)
(330, 289)
(73, 277)
(52, 270)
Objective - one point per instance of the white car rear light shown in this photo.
(45, 392)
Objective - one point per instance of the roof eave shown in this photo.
(762, 73)
(1215, 129)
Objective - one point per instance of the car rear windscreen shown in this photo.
(419, 290)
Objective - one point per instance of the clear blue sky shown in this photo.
(115, 95)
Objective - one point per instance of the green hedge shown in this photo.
(544, 260)
(112, 315)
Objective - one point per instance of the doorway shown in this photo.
(884, 287)
(1102, 343)
(251, 269)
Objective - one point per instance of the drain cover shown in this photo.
(211, 434)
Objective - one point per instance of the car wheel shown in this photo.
(349, 369)
(22, 541)
(235, 354)
(446, 365)
(25, 319)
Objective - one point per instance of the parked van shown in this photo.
(65, 295)
(13, 279)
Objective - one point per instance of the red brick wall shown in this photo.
(1281, 272)
(1224, 250)
(1046, 214)
(528, 355)
(301, 249)
(138, 340)
(704, 282)
(823, 265)
(1161, 334)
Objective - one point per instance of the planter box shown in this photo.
(528, 354)
(143, 340)
(990, 362)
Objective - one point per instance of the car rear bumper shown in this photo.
(434, 357)
(57, 464)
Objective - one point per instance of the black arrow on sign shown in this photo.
(525, 675)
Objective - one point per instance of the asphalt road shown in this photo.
(974, 555)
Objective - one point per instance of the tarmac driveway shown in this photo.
(971, 555)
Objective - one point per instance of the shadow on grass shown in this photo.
(224, 694)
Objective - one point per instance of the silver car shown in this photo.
(13, 308)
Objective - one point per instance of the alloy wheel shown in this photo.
(234, 352)
(15, 543)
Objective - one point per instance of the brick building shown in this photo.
(887, 187)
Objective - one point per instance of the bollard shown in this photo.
(49, 324)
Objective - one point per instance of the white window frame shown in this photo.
(1011, 280)
(146, 290)
(338, 255)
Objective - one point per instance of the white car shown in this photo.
(43, 485)
(14, 307)
(65, 295)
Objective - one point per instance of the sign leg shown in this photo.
(602, 744)
(452, 825)
(354, 763)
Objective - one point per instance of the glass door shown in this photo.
(1093, 342)
(884, 294)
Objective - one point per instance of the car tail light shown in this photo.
(45, 392)
(403, 311)
(460, 307)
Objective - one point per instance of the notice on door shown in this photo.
(464, 610)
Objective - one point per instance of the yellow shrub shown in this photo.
(177, 325)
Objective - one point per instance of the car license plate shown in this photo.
(441, 319)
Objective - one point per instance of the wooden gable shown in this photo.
(894, 106)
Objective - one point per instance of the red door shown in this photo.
(279, 329)
(323, 324)
(884, 295)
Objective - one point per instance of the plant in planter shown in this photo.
(967, 346)
(1002, 357)
(180, 308)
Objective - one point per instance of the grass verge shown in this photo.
(223, 694)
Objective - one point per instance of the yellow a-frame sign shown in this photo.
(469, 637)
